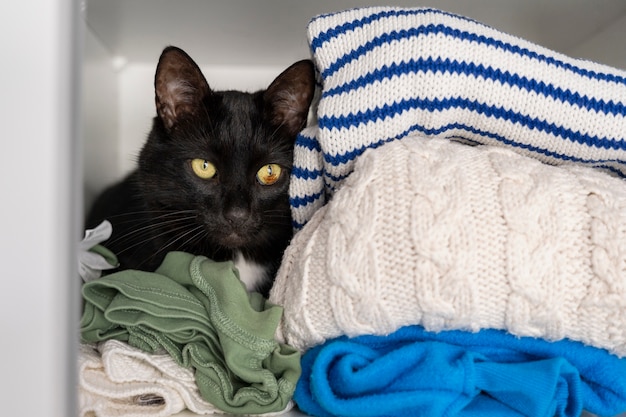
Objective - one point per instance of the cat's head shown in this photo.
(223, 157)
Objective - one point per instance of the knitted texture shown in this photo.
(386, 73)
(118, 380)
(450, 236)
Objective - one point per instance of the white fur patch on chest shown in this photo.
(251, 273)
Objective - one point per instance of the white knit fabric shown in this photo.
(119, 380)
(386, 73)
(450, 236)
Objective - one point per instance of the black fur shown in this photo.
(163, 206)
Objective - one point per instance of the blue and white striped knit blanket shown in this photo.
(386, 73)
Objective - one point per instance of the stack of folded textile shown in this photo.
(116, 379)
(433, 278)
(187, 336)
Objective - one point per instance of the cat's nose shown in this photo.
(237, 216)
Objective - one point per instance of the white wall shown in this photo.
(39, 179)
(100, 122)
(607, 46)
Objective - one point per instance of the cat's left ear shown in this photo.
(179, 86)
(289, 96)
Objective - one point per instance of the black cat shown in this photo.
(213, 176)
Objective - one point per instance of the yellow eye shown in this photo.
(268, 174)
(203, 168)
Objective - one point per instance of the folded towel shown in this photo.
(450, 236)
(386, 73)
(199, 312)
(489, 373)
(116, 379)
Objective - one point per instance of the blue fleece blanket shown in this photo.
(455, 373)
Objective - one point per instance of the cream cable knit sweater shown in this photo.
(448, 236)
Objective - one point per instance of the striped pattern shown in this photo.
(386, 73)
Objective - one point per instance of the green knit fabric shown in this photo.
(201, 314)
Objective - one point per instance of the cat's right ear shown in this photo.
(179, 86)
(289, 96)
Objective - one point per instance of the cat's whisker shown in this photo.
(182, 236)
(151, 212)
(149, 225)
(152, 236)
(276, 213)
(171, 242)
(275, 210)
(198, 237)
(277, 217)
(278, 221)
(208, 118)
(133, 217)
(273, 134)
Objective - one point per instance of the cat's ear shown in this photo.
(289, 96)
(179, 86)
